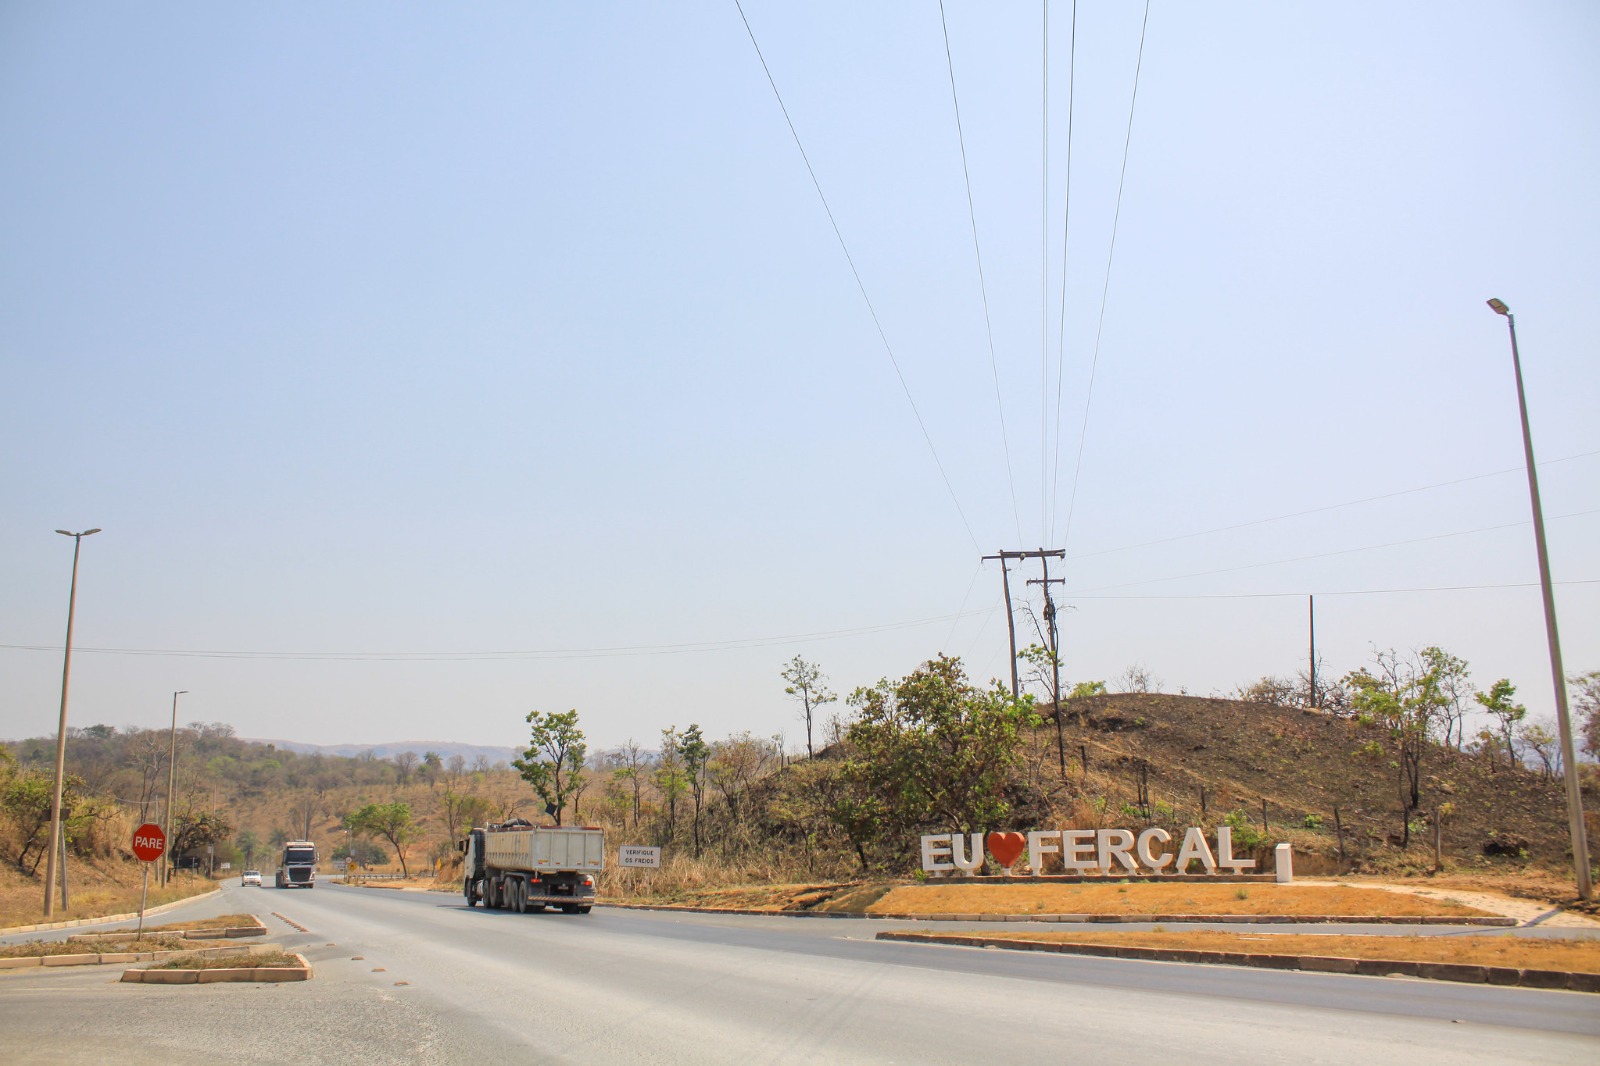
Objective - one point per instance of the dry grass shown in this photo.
(1502, 949)
(221, 921)
(1145, 898)
(255, 960)
(94, 894)
(33, 949)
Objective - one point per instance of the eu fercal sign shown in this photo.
(1107, 852)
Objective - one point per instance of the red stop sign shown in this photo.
(149, 842)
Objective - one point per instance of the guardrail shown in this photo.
(361, 875)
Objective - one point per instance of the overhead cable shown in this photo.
(871, 310)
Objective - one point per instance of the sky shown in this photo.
(425, 366)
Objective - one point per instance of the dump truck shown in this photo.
(298, 868)
(522, 867)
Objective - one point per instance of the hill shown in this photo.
(1306, 765)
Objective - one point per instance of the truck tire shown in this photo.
(466, 890)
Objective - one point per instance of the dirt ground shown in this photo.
(1502, 949)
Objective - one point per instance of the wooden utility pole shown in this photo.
(1043, 555)
(1011, 621)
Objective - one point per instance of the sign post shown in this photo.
(149, 844)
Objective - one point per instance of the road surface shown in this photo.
(420, 978)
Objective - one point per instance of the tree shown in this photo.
(197, 830)
(670, 779)
(806, 684)
(433, 766)
(631, 763)
(405, 762)
(736, 763)
(393, 822)
(1536, 739)
(249, 844)
(1405, 697)
(462, 811)
(554, 759)
(1451, 681)
(26, 797)
(1587, 706)
(1497, 701)
(695, 753)
(930, 750)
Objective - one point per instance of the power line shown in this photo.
(1116, 217)
(871, 310)
(553, 653)
(1329, 507)
(1066, 231)
(1342, 551)
(983, 288)
(1345, 592)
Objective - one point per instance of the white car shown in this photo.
(251, 877)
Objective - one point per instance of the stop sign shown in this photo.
(149, 842)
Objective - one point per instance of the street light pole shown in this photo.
(61, 737)
(172, 775)
(1569, 763)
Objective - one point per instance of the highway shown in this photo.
(420, 978)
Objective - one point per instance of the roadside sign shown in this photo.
(149, 842)
(629, 855)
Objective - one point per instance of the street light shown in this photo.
(1569, 763)
(61, 736)
(172, 767)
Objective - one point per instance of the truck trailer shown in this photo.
(521, 867)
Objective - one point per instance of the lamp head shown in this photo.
(1499, 307)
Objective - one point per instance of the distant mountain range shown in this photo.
(470, 752)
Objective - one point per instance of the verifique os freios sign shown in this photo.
(1079, 851)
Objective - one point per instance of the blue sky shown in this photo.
(442, 364)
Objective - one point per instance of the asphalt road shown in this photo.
(420, 978)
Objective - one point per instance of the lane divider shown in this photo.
(290, 922)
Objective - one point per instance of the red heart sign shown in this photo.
(1006, 848)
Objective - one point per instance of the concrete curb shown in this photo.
(1504, 976)
(1112, 919)
(222, 975)
(107, 958)
(226, 933)
(109, 917)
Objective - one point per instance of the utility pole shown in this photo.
(1044, 556)
(1311, 612)
(1011, 621)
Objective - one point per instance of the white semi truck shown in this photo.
(298, 866)
(522, 867)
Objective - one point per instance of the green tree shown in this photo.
(249, 845)
(930, 750)
(194, 831)
(553, 762)
(695, 753)
(807, 684)
(392, 821)
(670, 779)
(1498, 702)
(1406, 697)
(26, 797)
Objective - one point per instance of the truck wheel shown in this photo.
(569, 908)
(584, 910)
(466, 890)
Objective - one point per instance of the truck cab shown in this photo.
(298, 868)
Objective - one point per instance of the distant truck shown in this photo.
(298, 868)
(522, 867)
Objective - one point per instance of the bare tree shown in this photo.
(405, 762)
(806, 684)
(1138, 678)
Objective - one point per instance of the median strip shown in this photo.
(1369, 960)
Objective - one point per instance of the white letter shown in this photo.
(1039, 845)
(1077, 849)
(935, 846)
(972, 861)
(1115, 843)
(1195, 847)
(1155, 862)
(1225, 851)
